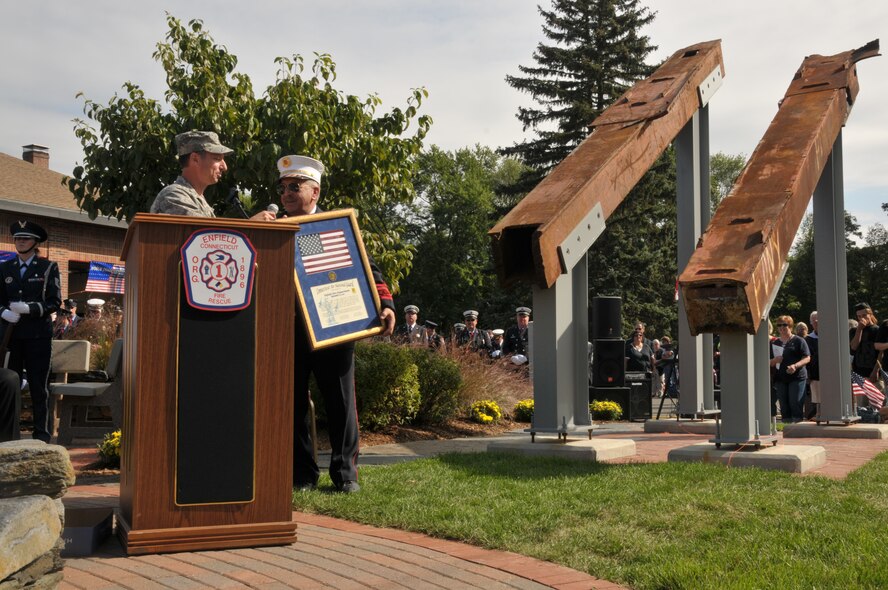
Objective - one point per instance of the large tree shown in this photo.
(597, 53)
(797, 296)
(129, 152)
(459, 198)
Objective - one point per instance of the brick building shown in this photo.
(30, 190)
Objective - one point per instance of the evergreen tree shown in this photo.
(597, 54)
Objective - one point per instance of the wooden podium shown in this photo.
(208, 396)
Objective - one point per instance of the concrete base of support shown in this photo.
(680, 426)
(597, 449)
(814, 430)
(794, 459)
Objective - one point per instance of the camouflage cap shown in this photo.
(200, 141)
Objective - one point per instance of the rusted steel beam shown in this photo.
(626, 140)
(732, 275)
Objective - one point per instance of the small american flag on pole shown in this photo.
(863, 386)
(324, 251)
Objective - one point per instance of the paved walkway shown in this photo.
(333, 553)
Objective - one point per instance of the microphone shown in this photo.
(234, 199)
(272, 208)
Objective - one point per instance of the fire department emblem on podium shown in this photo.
(218, 268)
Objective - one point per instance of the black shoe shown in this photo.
(305, 486)
(348, 487)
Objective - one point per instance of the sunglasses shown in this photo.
(293, 187)
(782, 325)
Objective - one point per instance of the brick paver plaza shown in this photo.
(333, 553)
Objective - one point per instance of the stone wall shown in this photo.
(33, 478)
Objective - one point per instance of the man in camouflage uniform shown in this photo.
(202, 159)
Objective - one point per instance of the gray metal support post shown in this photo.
(580, 330)
(693, 211)
(560, 361)
(761, 364)
(738, 403)
(831, 276)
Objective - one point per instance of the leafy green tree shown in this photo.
(867, 269)
(129, 152)
(797, 296)
(597, 53)
(723, 172)
(453, 270)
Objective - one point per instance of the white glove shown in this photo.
(20, 307)
(10, 316)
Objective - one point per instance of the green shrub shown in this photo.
(440, 382)
(523, 411)
(109, 449)
(486, 411)
(387, 385)
(605, 410)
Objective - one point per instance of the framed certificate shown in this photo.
(334, 283)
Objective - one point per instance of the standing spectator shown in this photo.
(410, 332)
(791, 375)
(813, 341)
(515, 338)
(473, 337)
(668, 361)
(863, 342)
(639, 356)
(31, 293)
(299, 185)
(658, 352)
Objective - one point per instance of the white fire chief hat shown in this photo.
(300, 167)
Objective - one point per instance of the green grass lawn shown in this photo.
(666, 525)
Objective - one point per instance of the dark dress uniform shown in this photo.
(9, 405)
(30, 346)
(515, 341)
(334, 371)
(476, 339)
(415, 336)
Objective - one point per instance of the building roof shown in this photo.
(28, 188)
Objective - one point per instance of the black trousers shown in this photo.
(334, 371)
(10, 405)
(34, 355)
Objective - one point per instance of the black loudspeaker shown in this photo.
(606, 317)
(608, 363)
(640, 403)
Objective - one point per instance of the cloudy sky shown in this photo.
(459, 50)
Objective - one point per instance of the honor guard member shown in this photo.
(299, 185)
(496, 343)
(410, 332)
(435, 340)
(202, 159)
(31, 293)
(515, 340)
(71, 307)
(473, 337)
(10, 393)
